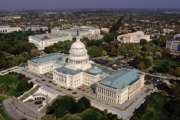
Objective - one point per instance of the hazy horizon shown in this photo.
(87, 4)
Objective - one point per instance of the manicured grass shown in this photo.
(13, 84)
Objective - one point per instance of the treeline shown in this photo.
(60, 47)
(67, 108)
(14, 84)
(15, 49)
(148, 56)
(161, 106)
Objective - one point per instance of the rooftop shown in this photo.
(82, 30)
(47, 58)
(95, 70)
(121, 78)
(69, 71)
(46, 36)
(177, 37)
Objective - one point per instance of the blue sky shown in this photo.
(61, 4)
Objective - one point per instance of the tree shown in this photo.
(35, 52)
(116, 26)
(71, 117)
(94, 51)
(92, 114)
(49, 117)
(141, 65)
(177, 71)
(113, 52)
(83, 104)
(143, 42)
(162, 66)
(148, 60)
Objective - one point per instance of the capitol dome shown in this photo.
(78, 57)
(77, 45)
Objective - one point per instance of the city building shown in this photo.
(8, 29)
(174, 45)
(120, 86)
(134, 37)
(57, 35)
(78, 70)
(116, 87)
(84, 31)
(36, 28)
(46, 63)
(167, 31)
(44, 40)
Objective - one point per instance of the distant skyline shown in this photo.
(76, 4)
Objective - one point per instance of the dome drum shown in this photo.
(78, 57)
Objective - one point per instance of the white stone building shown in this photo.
(44, 40)
(36, 28)
(134, 37)
(174, 45)
(46, 63)
(56, 35)
(8, 29)
(84, 31)
(114, 87)
(120, 86)
(78, 70)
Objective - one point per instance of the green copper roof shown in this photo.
(121, 78)
(47, 58)
(69, 71)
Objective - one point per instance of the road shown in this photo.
(125, 110)
(163, 77)
(6, 71)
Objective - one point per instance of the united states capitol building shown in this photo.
(75, 70)
(44, 40)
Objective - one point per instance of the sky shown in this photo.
(66, 4)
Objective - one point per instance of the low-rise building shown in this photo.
(78, 70)
(174, 45)
(46, 63)
(84, 31)
(115, 87)
(44, 40)
(56, 35)
(134, 37)
(36, 28)
(8, 29)
(120, 86)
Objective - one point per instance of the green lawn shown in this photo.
(13, 84)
